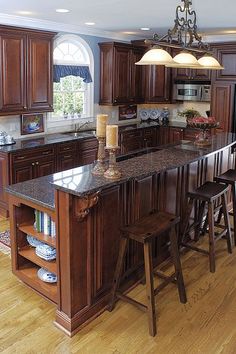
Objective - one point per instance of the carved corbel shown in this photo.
(84, 204)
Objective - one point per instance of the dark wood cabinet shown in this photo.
(67, 156)
(87, 151)
(175, 134)
(222, 104)
(226, 55)
(13, 72)
(40, 97)
(121, 81)
(25, 165)
(157, 84)
(26, 70)
(131, 140)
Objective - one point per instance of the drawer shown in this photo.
(149, 132)
(131, 135)
(67, 147)
(32, 154)
(88, 144)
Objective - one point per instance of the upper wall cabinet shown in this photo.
(226, 54)
(25, 70)
(120, 79)
(157, 86)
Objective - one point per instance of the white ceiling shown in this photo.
(122, 17)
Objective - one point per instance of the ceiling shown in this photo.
(122, 17)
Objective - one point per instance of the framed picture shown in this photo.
(32, 123)
(128, 112)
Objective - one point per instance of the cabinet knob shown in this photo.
(36, 163)
(33, 164)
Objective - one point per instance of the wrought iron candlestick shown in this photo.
(112, 172)
(100, 167)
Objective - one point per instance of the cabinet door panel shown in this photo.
(222, 105)
(13, 81)
(39, 77)
(122, 75)
(23, 172)
(45, 167)
(175, 135)
(157, 84)
(88, 157)
(66, 161)
(227, 57)
(137, 88)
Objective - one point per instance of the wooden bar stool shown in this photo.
(229, 178)
(207, 193)
(144, 231)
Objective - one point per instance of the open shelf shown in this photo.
(30, 230)
(29, 276)
(29, 253)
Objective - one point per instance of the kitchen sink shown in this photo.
(138, 153)
(84, 133)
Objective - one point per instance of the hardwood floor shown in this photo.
(206, 324)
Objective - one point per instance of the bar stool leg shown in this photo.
(186, 219)
(211, 238)
(149, 288)
(117, 275)
(227, 223)
(177, 265)
(200, 218)
(234, 210)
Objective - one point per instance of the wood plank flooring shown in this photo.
(206, 324)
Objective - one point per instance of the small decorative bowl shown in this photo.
(46, 276)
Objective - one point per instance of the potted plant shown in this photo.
(189, 114)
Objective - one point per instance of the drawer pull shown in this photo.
(67, 156)
(66, 148)
(46, 152)
(20, 157)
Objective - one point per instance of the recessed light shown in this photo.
(24, 12)
(62, 10)
(90, 23)
(145, 29)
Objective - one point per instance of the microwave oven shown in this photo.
(189, 91)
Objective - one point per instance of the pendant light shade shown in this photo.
(186, 58)
(209, 62)
(156, 56)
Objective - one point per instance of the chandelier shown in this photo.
(182, 36)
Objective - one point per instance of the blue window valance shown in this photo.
(60, 71)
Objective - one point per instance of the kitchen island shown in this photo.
(89, 211)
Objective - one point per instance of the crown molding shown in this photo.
(26, 22)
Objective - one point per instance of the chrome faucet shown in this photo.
(78, 126)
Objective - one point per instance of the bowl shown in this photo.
(46, 276)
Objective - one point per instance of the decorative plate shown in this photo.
(155, 114)
(144, 114)
(46, 252)
(47, 276)
(33, 241)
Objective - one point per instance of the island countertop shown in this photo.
(80, 181)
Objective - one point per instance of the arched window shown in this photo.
(73, 78)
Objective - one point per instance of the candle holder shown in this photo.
(112, 172)
(99, 167)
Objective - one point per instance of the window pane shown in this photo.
(58, 103)
(79, 102)
(69, 102)
(56, 86)
(77, 83)
(66, 83)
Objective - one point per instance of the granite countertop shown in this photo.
(79, 181)
(22, 144)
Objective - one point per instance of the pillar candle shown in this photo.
(112, 136)
(101, 125)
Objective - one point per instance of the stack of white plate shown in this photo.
(46, 252)
(47, 276)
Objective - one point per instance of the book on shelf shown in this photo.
(44, 223)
